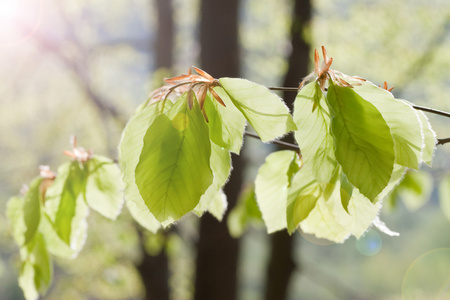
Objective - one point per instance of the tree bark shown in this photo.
(165, 32)
(281, 262)
(217, 256)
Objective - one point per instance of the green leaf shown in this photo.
(322, 223)
(415, 189)
(312, 118)
(24, 213)
(218, 205)
(226, 124)
(245, 212)
(444, 195)
(173, 171)
(402, 120)
(302, 197)
(104, 187)
(66, 207)
(363, 142)
(36, 271)
(271, 187)
(264, 110)
(14, 212)
(429, 138)
(221, 166)
(358, 216)
(55, 245)
(130, 148)
(346, 191)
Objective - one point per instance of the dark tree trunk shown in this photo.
(154, 269)
(217, 256)
(281, 263)
(164, 38)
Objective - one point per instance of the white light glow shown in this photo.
(9, 10)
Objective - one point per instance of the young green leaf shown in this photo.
(104, 188)
(226, 124)
(302, 197)
(402, 120)
(66, 207)
(322, 223)
(173, 171)
(346, 191)
(130, 148)
(246, 212)
(24, 213)
(264, 110)
(271, 187)
(415, 189)
(36, 271)
(55, 245)
(363, 142)
(312, 118)
(221, 166)
(429, 139)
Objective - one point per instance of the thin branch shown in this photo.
(283, 144)
(433, 111)
(284, 89)
(443, 141)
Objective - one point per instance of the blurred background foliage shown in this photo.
(82, 67)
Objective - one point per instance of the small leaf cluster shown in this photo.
(175, 151)
(49, 218)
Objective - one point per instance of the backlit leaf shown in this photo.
(66, 207)
(429, 137)
(402, 120)
(36, 271)
(173, 171)
(313, 134)
(264, 110)
(415, 189)
(271, 187)
(130, 148)
(226, 124)
(363, 142)
(302, 197)
(104, 187)
(245, 212)
(221, 166)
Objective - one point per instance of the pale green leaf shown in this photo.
(312, 118)
(55, 244)
(218, 205)
(359, 215)
(130, 148)
(402, 120)
(37, 268)
(322, 223)
(221, 166)
(271, 187)
(264, 110)
(363, 142)
(173, 171)
(415, 189)
(66, 207)
(226, 124)
(302, 197)
(24, 213)
(444, 195)
(245, 212)
(346, 191)
(14, 212)
(429, 137)
(104, 187)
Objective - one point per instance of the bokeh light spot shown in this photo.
(428, 277)
(369, 244)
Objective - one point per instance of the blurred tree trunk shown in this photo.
(217, 256)
(281, 263)
(154, 269)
